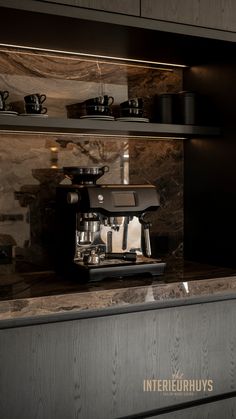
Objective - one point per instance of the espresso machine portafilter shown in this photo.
(102, 228)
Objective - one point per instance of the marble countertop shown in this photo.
(29, 295)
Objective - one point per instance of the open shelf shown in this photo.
(103, 127)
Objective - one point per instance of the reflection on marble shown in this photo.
(72, 67)
(42, 294)
(64, 80)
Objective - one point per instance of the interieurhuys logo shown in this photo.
(178, 385)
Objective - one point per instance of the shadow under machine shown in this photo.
(102, 229)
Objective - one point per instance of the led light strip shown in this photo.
(79, 134)
(95, 56)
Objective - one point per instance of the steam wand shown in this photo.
(146, 232)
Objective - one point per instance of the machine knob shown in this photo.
(100, 198)
(72, 197)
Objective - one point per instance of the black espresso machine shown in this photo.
(102, 229)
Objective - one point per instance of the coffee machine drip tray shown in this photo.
(113, 268)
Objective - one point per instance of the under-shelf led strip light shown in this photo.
(79, 134)
(95, 56)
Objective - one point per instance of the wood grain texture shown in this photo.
(94, 368)
(180, 11)
(130, 7)
(217, 14)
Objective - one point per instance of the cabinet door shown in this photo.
(130, 7)
(217, 14)
(180, 11)
(95, 368)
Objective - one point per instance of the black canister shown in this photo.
(167, 108)
(187, 108)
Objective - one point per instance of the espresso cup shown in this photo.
(100, 100)
(98, 110)
(35, 98)
(3, 96)
(32, 108)
(133, 112)
(136, 102)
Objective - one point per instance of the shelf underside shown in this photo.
(103, 127)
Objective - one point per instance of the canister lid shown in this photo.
(187, 93)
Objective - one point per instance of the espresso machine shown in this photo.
(103, 231)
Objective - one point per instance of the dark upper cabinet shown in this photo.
(216, 14)
(130, 7)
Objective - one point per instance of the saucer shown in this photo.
(38, 115)
(104, 117)
(8, 113)
(132, 119)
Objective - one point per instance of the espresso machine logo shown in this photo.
(178, 385)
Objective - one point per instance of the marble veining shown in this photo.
(21, 297)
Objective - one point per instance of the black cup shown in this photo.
(98, 110)
(133, 112)
(136, 102)
(35, 98)
(3, 96)
(100, 100)
(33, 108)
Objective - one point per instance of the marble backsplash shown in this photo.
(28, 185)
(30, 163)
(30, 170)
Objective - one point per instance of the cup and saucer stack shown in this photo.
(33, 106)
(4, 108)
(132, 111)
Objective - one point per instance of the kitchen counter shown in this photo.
(40, 296)
(63, 341)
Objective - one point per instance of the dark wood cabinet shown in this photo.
(130, 7)
(94, 368)
(217, 14)
(180, 11)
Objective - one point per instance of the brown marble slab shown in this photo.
(41, 294)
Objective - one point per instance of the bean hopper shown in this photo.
(102, 229)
